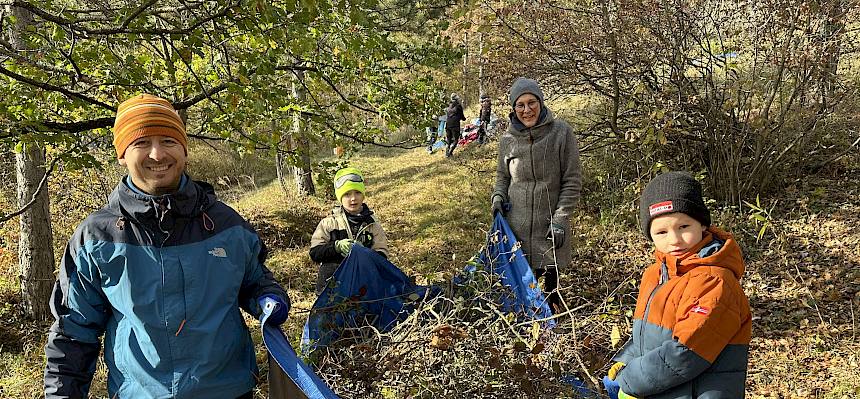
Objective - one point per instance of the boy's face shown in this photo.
(352, 201)
(676, 233)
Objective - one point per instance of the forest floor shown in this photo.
(802, 278)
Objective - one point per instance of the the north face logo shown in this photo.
(218, 252)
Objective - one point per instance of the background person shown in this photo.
(454, 114)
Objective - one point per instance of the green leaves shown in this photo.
(238, 66)
(760, 216)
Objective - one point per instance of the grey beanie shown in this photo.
(669, 193)
(524, 85)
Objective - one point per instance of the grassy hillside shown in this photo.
(803, 277)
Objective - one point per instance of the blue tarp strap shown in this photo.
(283, 354)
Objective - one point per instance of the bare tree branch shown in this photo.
(39, 189)
(49, 87)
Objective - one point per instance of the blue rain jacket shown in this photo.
(162, 278)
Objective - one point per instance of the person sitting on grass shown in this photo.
(692, 325)
(351, 222)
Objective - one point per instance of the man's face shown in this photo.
(527, 108)
(155, 164)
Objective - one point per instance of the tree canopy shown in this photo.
(228, 66)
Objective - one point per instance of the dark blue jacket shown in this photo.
(162, 278)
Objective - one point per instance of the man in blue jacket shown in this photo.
(161, 272)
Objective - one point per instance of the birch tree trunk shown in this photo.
(35, 247)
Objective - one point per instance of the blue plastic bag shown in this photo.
(365, 289)
(289, 376)
(505, 259)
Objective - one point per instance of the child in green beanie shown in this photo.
(351, 222)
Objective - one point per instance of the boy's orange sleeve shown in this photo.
(709, 314)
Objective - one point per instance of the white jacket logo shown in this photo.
(218, 252)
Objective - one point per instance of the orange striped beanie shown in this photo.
(146, 115)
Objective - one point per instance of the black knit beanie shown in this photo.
(672, 192)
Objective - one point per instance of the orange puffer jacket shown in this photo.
(692, 326)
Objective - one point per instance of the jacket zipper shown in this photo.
(664, 277)
(533, 190)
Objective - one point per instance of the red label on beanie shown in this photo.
(660, 207)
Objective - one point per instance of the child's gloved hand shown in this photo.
(556, 230)
(622, 395)
(343, 246)
(613, 371)
(611, 387)
(281, 308)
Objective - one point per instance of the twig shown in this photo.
(32, 201)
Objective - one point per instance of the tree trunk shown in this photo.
(463, 96)
(279, 168)
(481, 64)
(302, 172)
(35, 246)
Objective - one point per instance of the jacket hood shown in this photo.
(729, 256)
(191, 200)
(517, 128)
(525, 86)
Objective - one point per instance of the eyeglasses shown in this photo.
(531, 104)
(348, 177)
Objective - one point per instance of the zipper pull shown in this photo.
(180, 328)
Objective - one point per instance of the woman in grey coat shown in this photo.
(538, 180)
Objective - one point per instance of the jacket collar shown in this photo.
(728, 257)
(517, 128)
(190, 200)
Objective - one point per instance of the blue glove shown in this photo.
(281, 308)
(612, 387)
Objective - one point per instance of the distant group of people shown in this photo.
(161, 272)
(450, 123)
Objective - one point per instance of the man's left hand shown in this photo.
(282, 309)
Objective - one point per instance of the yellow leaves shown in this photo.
(615, 336)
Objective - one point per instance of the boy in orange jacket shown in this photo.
(692, 325)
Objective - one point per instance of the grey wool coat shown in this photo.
(539, 174)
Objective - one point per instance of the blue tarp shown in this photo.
(506, 260)
(366, 289)
(289, 377)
